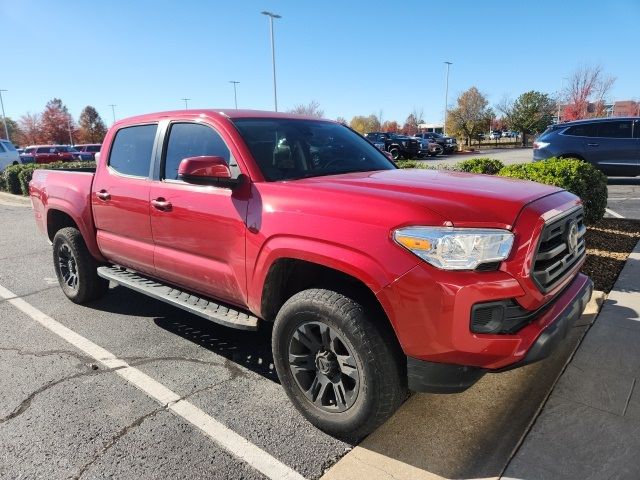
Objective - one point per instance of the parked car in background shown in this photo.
(399, 146)
(610, 144)
(448, 144)
(50, 154)
(89, 149)
(495, 135)
(428, 147)
(8, 154)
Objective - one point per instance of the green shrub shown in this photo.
(25, 175)
(488, 166)
(576, 176)
(11, 182)
(424, 165)
(15, 178)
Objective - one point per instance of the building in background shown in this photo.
(431, 128)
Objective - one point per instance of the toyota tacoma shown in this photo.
(377, 280)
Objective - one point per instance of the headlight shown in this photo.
(451, 248)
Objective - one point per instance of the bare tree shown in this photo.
(311, 110)
(585, 93)
(30, 129)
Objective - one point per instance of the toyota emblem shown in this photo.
(572, 236)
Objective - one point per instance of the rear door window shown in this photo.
(583, 130)
(131, 150)
(615, 129)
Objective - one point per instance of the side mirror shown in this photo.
(205, 170)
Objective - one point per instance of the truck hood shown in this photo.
(464, 199)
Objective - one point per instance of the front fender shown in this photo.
(355, 263)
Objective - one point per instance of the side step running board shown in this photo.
(222, 314)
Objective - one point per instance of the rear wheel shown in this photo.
(337, 368)
(76, 268)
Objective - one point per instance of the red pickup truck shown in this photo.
(378, 280)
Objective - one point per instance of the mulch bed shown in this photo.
(609, 243)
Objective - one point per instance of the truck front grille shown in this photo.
(561, 246)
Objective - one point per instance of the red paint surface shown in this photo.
(222, 242)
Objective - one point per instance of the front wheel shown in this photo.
(335, 365)
(395, 153)
(76, 268)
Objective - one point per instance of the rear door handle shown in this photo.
(593, 144)
(161, 204)
(103, 195)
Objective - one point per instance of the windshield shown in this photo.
(288, 149)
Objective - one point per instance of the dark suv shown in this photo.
(610, 144)
(397, 145)
(448, 144)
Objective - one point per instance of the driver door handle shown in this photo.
(103, 195)
(161, 204)
(593, 144)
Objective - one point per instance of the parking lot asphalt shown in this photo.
(624, 197)
(63, 414)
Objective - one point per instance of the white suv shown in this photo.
(8, 154)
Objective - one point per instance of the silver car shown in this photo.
(8, 154)
(610, 144)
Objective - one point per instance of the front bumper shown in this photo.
(426, 376)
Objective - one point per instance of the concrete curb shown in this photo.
(14, 200)
(593, 413)
(367, 463)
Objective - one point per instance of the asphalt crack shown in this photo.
(234, 369)
(46, 353)
(136, 423)
(114, 439)
(26, 403)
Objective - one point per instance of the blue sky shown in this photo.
(352, 57)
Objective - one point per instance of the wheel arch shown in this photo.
(58, 217)
(287, 276)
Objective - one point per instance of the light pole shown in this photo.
(560, 96)
(235, 94)
(70, 136)
(113, 111)
(446, 96)
(273, 55)
(186, 104)
(4, 118)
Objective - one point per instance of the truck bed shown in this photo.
(68, 191)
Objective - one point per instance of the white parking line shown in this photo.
(612, 213)
(235, 444)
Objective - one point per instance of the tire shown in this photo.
(76, 268)
(395, 153)
(360, 379)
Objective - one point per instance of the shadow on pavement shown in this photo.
(472, 434)
(251, 350)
